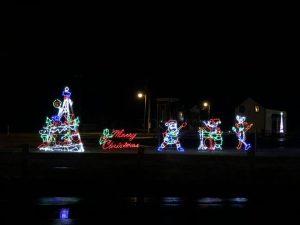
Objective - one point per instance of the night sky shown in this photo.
(105, 60)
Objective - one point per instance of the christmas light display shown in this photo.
(210, 135)
(240, 128)
(115, 140)
(281, 130)
(60, 133)
(170, 136)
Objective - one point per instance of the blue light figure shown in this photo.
(64, 213)
(171, 135)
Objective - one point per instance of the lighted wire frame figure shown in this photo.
(171, 135)
(240, 128)
(61, 131)
(210, 135)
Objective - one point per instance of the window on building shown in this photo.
(180, 116)
(256, 108)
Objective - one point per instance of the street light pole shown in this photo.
(207, 105)
(142, 95)
(145, 109)
(208, 111)
(149, 121)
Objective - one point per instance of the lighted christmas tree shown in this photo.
(60, 133)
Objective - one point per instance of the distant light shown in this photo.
(205, 104)
(281, 123)
(140, 95)
(180, 116)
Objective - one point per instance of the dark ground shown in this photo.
(131, 187)
(139, 188)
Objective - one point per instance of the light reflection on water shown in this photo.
(64, 213)
(71, 210)
(58, 200)
(238, 200)
(63, 222)
(209, 200)
(172, 201)
(64, 218)
(175, 201)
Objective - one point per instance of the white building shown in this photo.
(265, 120)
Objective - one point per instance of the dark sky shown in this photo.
(106, 58)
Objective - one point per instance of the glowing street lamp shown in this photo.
(206, 105)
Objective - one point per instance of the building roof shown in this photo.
(266, 103)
